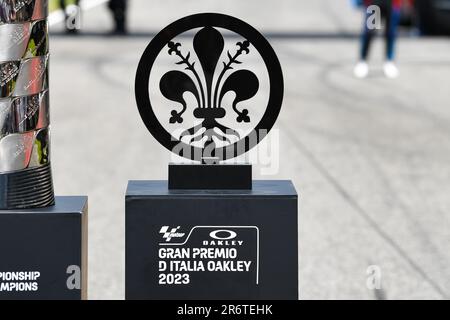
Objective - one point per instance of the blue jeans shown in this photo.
(392, 19)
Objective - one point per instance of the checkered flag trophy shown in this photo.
(25, 173)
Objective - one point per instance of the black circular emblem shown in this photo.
(206, 69)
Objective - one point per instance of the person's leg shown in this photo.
(392, 22)
(393, 19)
(118, 8)
(64, 4)
(361, 69)
(367, 37)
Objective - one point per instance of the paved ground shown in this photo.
(370, 158)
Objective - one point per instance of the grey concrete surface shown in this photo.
(370, 158)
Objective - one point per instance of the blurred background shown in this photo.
(370, 157)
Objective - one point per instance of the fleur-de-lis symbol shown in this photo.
(208, 46)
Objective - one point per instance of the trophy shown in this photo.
(209, 88)
(42, 238)
(25, 173)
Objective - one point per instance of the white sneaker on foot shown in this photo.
(361, 70)
(390, 70)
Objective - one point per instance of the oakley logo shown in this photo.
(168, 233)
(223, 235)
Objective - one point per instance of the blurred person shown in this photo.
(71, 23)
(390, 13)
(119, 11)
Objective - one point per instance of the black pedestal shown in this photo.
(210, 177)
(211, 244)
(43, 252)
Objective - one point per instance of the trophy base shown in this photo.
(210, 177)
(44, 252)
(31, 188)
(211, 244)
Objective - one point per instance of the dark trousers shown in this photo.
(119, 10)
(63, 5)
(391, 17)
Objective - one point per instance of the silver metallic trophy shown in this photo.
(25, 173)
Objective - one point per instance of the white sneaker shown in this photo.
(390, 70)
(361, 70)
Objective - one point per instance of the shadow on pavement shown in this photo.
(268, 34)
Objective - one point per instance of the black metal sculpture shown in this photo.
(209, 77)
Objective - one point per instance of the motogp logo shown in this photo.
(173, 233)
